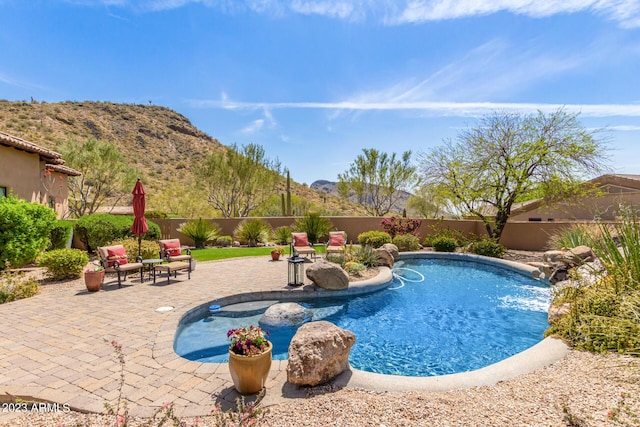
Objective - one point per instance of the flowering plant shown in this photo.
(94, 267)
(249, 341)
(396, 225)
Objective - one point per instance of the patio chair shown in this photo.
(114, 259)
(337, 242)
(300, 243)
(171, 252)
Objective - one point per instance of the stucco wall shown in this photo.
(21, 173)
(531, 236)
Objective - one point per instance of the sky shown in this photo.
(317, 81)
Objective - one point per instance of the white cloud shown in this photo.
(624, 12)
(254, 126)
(625, 128)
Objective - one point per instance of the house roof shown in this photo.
(52, 159)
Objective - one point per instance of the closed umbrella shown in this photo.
(139, 226)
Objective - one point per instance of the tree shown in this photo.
(507, 156)
(426, 203)
(376, 180)
(239, 180)
(105, 174)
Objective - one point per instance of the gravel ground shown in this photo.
(583, 389)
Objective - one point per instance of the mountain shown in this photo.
(163, 145)
(331, 188)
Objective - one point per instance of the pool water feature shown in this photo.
(437, 316)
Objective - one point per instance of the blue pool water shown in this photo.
(439, 317)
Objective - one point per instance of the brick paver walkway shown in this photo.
(57, 346)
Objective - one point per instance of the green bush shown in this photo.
(99, 229)
(200, 230)
(156, 214)
(374, 238)
(406, 242)
(224, 241)
(64, 263)
(488, 248)
(354, 268)
(148, 249)
(314, 225)
(282, 235)
(363, 255)
(252, 231)
(60, 234)
(25, 229)
(444, 244)
(15, 286)
(457, 235)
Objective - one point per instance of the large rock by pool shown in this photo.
(285, 314)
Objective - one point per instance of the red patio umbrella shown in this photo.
(139, 226)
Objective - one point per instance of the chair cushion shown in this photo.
(336, 239)
(172, 247)
(300, 239)
(117, 253)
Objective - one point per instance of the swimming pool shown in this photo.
(463, 316)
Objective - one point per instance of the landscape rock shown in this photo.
(328, 275)
(392, 249)
(318, 352)
(580, 255)
(544, 269)
(285, 314)
(553, 257)
(385, 258)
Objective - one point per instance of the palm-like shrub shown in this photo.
(282, 235)
(200, 230)
(314, 225)
(252, 231)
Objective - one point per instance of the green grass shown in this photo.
(211, 254)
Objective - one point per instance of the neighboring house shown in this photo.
(610, 191)
(34, 173)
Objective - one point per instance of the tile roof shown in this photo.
(52, 158)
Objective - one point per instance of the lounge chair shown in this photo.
(337, 242)
(171, 252)
(300, 244)
(114, 259)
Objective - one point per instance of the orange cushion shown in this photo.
(336, 240)
(300, 240)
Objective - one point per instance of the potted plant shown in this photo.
(249, 358)
(276, 252)
(93, 277)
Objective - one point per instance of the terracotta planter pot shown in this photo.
(249, 373)
(93, 280)
(275, 256)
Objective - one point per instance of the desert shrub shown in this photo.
(15, 286)
(444, 244)
(457, 235)
(60, 234)
(24, 231)
(605, 313)
(488, 247)
(374, 238)
(314, 225)
(64, 264)
(148, 249)
(397, 225)
(156, 214)
(224, 241)
(200, 230)
(576, 235)
(354, 268)
(99, 229)
(282, 235)
(252, 231)
(363, 255)
(406, 242)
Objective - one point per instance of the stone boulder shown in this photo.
(553, 257)
(318, 352)
(580, 255)
(392, 249)
(285, 314)
(385, 258)
(327, 275)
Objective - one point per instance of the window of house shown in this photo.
(3, 192)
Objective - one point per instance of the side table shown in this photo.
(150, 263)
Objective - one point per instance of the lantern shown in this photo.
(296, 270)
